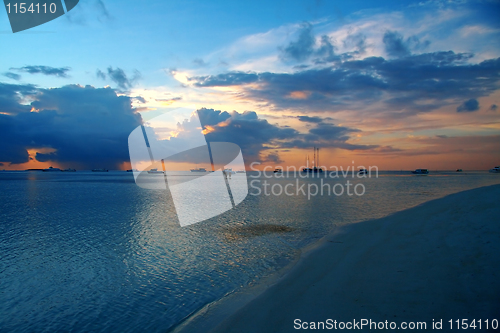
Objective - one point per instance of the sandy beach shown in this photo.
(435, 262)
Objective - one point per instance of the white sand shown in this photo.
(439, 260)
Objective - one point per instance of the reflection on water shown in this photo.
(94, 252)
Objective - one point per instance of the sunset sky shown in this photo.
(396, 84)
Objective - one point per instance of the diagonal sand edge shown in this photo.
(439, 260)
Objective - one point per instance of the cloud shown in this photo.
(256, 136)
(86, 127)
(396, 46)
(12, 76)
(89, 12)
(168, 101)
(119, 77)
(308, 119)
(326, 50)
(140, 99)
(273, 157)
(245, 129)
(100, 74)
(45, 70)
(102, 10)
(12, 97)
(303, 47)
(493, 107)
(358, 41)
(200, 62)
(228, 79)
(470, 105)
(412, 84)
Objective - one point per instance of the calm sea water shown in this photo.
(94, 252)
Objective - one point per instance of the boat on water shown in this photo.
(362, 172)
(495, 169)
(315, 162)
(278, 171)
(69, 170)
(420, 172)
(51, 169)
(459, 170)
(100, 170)
(199, 170)
(240, 171)
(155, 171)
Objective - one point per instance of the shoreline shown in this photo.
(272, 303)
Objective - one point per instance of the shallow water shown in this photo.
(92, 251)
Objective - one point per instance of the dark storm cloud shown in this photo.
(255, 135)
(415, 83)
(470, 105)
(12, 76)
(303, 47)
(45, 70)
(119, 77)
(87, 127)
(11, 141)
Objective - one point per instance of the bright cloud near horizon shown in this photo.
(399, 85)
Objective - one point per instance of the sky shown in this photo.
(395, 84)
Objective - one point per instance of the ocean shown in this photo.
(83, 251)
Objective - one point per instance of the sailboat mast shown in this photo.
(318, 157)
(314, 160)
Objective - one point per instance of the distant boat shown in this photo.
(51, 169)
(241, 171)
(132, 170)
(314, 169)
(100, 170)
(155, 171)
(199, 170)
(420, 172)
(69, 170)
(495, 169)
(278, 171)
(459, 170)
(363, 172)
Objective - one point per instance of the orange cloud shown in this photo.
(299, 94)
